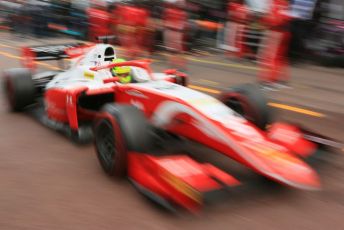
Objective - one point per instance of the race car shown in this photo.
(128, 122)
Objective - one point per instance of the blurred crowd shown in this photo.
(267, 31)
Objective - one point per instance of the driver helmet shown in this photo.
(123, 72)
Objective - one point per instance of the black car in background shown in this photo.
(325, 44)
(321, 37)
(8, 11)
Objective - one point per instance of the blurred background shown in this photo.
(314, 27)
(293, 49)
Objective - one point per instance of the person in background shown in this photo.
(22, 19)
(155, 40)
(132, 21)
(99, 20)
(273, 61)
(174, 22)
(238, 14)
(303, 12)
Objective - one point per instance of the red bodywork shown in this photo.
(270, 155)
(274, 61)
(238, 15)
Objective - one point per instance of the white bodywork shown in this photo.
(209, 106)
(79, 73)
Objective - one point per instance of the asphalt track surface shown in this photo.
(47, 182)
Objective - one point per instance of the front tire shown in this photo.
(124, 128)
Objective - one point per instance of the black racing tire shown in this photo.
(124, 128)
(249, 101)
(19, 88)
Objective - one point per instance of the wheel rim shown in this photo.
(106, 145)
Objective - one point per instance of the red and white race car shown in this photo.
(127, 121)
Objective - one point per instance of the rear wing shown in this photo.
(52, 52)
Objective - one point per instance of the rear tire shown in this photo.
(249, 101)
(19, 88)
(123, 129)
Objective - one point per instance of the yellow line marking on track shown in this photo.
(209, 82)
(36, 62)
(296, 109)
(190, 58)
(10, 55)
(222, 64)
(48, 65)
(206, 53)
(272, 104)
(214, 91)
(7, 46)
